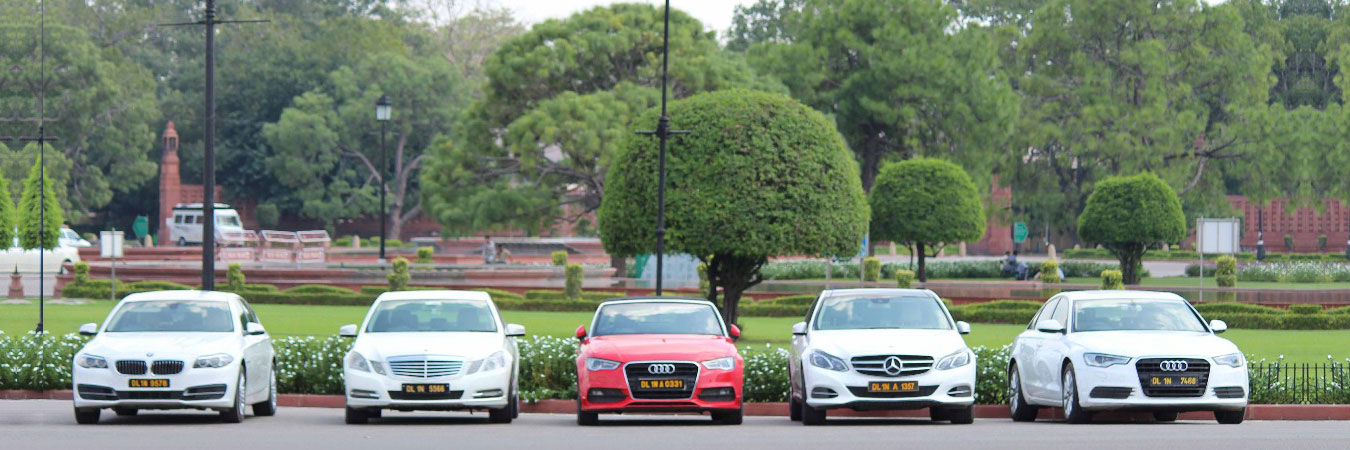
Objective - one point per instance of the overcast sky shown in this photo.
(715, 14)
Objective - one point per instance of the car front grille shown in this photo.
(149, 395)
(424, 366)
(449, 395)
(875, 365)
(636, 372)
(861, 391)
(131, 367)
(166, 367)
(1152, 367)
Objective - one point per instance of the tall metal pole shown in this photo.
(42, 171)
(209, 164)
(384, 169)
(662, 132)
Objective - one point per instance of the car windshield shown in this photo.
(203, 316)
(1135, 314)
(228, 220)
(657, 318)
(881, 312)
(410, 316)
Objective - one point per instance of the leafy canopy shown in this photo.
(925, 200)
(1132, 209)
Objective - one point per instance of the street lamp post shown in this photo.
(383, 109)
(663, 133)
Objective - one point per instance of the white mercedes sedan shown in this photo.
(1092, 351)
(877, 349)
(176, 350)
(432, 350)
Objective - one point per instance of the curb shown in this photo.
(778, 409)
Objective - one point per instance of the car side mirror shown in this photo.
(799, 329)
(581, 332)
(513, 330)
(1218, 326)
(962, 327)
(89, 329)
(734, 331)
(254, 329)
(1049, 326)
(347, 331)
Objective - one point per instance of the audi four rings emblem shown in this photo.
(893, 366)
(1174, 366)
(661, 369)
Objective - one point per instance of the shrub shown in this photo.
(81, 273)
(871, 269)
(560, 258)
(1289, 242)
(575, 273)
(1305, 309)
(904, 278)
(318, 289)
(234, 278)
(1193, 270)
(345, 241)
(424, 255)
(925, 201)
(799, 300)
(1225, 271)
(1050, 272)
(1126, 214)
(398, 279)
(562, 295)
(1295, 272)
(1111, 279)
(703, 284)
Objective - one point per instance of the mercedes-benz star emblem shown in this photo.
(661, 369)
(893, 366)
(1174, 366)
(149, 355)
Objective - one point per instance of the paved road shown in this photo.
(49, 424)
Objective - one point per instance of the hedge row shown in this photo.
(802, 270)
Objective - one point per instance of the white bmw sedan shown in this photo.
(176, 350)
(875, 349)
(432, 350)
(1125, 350)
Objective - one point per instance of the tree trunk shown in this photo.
(923, 271)
(1130, 256)
(734, 274)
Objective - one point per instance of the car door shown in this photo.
(257, 353)
(1050, 357)
(799, 344)
(1025, 351)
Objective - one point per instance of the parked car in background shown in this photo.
(878, 349)
(1090, 351)
(432, 350)
(176, 350)
(185, 226)
(29, 260)
(69, 238)
(666, 355)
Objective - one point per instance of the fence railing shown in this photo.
(1282, 383)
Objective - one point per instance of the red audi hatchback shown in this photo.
(662, 355)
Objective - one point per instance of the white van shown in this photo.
(185, 226)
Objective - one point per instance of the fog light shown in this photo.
(600, 395)
(488, 393)
(823, 392)
(959, 391)
(722, 394)
(358, 393)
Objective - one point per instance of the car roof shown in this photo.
(433, 295)
(863, 291)
(655, 299)
(181, 295)
(1114, 294)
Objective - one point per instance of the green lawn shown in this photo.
(1295, 346)
(1210, 283)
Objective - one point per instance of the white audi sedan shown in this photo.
(432, 350)
(176, 350)
(1125, 350)
(876, 349)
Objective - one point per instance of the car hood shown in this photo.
(659, 347)
(850, 343)
(184, 346)
(1136, 344)
(466, 345)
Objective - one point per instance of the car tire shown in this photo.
(1230, 417)
(236, 413)
(515, 405)
(938, 414)
(963, 416)
(1017, 402)
(268, 408)
(500, 415)
(794, 409)
(125, 412)
(87, 416)
(1073, 410)
(586, 418)
(182, 242)
(735, 417)
(357, 416)
(1165, 416)
(812, 416)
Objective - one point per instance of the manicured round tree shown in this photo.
(925, 201)
(1127, 214)
(39, 228)
(759, 175)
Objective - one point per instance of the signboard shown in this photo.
(1019, 232)
(1218, 235)
(110, 244)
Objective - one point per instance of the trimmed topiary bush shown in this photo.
(234, 278)
(1305, 309)
(398, 279)
(424, 255)
(1050, 272)
(559, 258)
(904, 278)
(1225, 271)
(925, 201)
(81, 272)
(871, 269)
(575, 274)
(1111, 279)
(1128, 214)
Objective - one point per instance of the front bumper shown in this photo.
(189, 389)
(952, 389)
(1126, 376)
(482, 390)
(699, 401)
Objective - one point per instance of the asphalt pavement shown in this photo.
(44, 424)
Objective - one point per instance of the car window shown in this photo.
(1135, 314)
(657, 318)
(870, 311)
(408, 316)
(252, 316)
(1044, 313)
(177, 219)
(172, 316)
(1062, 312)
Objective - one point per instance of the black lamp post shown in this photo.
(383, 109)
(1260, 235)
(663, 133)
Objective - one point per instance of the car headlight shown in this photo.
(827, 361)
(490, 363)
(727, 363)
(91, 362)
(1230, 360)
(1104, 360)
(213, 361)
(954, 360)
(595, 364)
(357, 362)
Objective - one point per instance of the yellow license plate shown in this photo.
(148, 383)
(893, 386)
(426, 388)
(661, 384)
(1174, 381)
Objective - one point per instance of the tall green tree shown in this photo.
(1127, 214)
(8, 215)
(40, 216)
(927, 202)
(759, 175)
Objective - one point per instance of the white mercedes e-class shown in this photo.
(432, 350)
(1091, 351)
(874, 349)
(176, 350)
